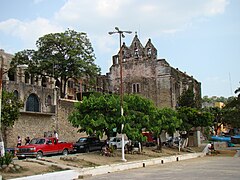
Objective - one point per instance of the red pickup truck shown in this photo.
(39, 147)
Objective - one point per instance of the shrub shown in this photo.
(6, 159)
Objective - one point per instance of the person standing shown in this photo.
(27, 140)
(19, 141)
(56, 135)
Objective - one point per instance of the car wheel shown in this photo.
(65, 152)
(87, 150)
(39, 155)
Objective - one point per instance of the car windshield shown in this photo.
(82, 140)
(33, 141)
(40, 141)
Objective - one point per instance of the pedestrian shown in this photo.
(19, 141)
(27, 140)
(55, 134)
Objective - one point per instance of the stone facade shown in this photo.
(43, 110)
(143, 73)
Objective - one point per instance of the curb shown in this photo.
(98, 170)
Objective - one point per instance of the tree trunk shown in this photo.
(159, 143)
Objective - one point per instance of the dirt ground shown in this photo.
(30, 166)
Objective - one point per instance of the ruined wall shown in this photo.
(30, 124)
(34, 124)
(65, 129)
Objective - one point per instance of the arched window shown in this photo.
(16, 94)
(11, 75)
(32, 103)
(44, 82)
(27, 77)
(49, 100)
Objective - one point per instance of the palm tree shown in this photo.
(237, 91)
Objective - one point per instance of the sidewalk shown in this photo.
(76, 173)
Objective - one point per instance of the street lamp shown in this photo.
(2, 150)
(121, 35)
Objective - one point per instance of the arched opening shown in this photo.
(11, 75)
(16, 94)
(44, 82)
(49, 100)
(57, 84)
(27, 77)
(32, 103)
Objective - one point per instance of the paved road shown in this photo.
(207, 168)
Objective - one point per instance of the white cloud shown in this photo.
(97, 17)
(30, 31)
(215, 7)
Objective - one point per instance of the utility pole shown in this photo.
(1, 137)
(121, 35)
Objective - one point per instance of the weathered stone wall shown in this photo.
(34, 124)
(65, 129)
(30, 124)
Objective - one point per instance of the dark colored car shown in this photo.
(87, 144)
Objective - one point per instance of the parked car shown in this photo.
(39, 147)
(116, 142)
(151, 140)
(87, 144)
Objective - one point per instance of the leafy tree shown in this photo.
(11, 106)
(164, 119)
(62, 56)
(188, 99)
(10, 111)
(193, 118)
(207, 99)
(218, 117)
(101, 115)
(231, 114)
(137, 115)
(237, 91)
(97, 115)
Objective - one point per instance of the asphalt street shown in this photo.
(207, 168)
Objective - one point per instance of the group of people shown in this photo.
(19, 141)
(27, 139)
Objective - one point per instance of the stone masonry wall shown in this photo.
(29, 124)
(65, 129)
(34, 124)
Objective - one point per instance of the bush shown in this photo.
(6, 159)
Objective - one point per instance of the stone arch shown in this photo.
(32, 103)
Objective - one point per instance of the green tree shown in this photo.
(188, 99)
(97, 115)
(164, 119)
(11, 106)
(218, 117)
(10, 111)
(101, 115)
(231, 115)
(193, 118)
(62, 56)
(138, 113)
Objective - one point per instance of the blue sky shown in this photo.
(200, 37)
